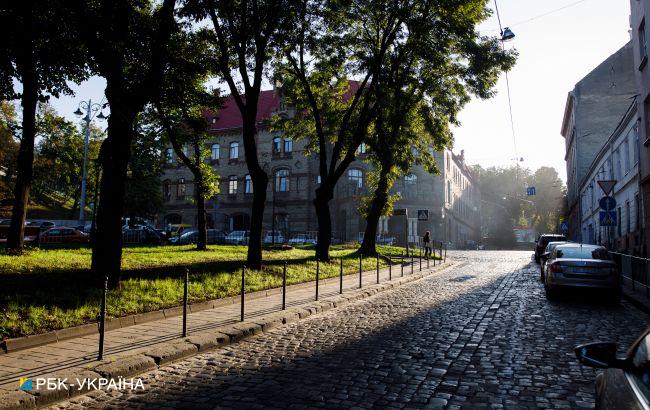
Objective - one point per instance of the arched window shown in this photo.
(248, 185)
(356, 176)
(282, 180)
(215, 152)
(234, 150)
(167, 193)
(411, 179)
(232, 184)
(180, 188)
(169, 155)
(277, 145)
(362, 148)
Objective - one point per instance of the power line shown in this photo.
(575, 3)
(512, 121)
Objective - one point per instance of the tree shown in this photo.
(181, 110)
(41, 51)
(333, 42)
(8, 149)
(424, 82)
(128, 45)
(143, 194)
(546, 207)
(59, 159)
(244, 34)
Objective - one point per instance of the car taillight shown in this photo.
(555, 267)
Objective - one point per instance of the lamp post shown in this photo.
(91, 110)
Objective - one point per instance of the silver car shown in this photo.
(582, 266)
(545, 257)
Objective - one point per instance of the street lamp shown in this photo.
(91, 110)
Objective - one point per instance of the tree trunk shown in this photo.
(321, 202)
(107, 248)
(202, 229)
(25, 166)
(379, 200)
(260, 181)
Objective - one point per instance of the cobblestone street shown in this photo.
(480, 333)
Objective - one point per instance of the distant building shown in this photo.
(447, 204)
(639, 15)
(593, 111)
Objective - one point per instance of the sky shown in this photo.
(556, 50)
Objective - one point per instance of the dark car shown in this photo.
(579, 266)
(542, 241)
(63, 235)
(625, 383)
(214, 236)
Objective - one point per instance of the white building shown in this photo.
(617, 160)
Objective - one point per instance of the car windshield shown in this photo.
(579, 252)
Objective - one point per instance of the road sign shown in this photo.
(398, 212)
(607, 185)
(530, 190)
(423, 214)
(607, 203)
(607, 218)
(564, 227)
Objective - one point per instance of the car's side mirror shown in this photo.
(600, 354)
(546, 254)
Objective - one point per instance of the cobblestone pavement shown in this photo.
(476, 335)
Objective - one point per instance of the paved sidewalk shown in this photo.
(639, 295)
(81, 353)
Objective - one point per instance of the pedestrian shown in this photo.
(427, 244)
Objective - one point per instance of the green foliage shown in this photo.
(59, 159)
(8, 149)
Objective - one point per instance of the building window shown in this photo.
(277, 141)
(635, 131)
(643, 52)
(167, 191)
(362, 148)
(617, 164)
(234, 150)
(626, 155)
(216, 152)
(288, 145)
(232, 185)
(410, 179)
(214, 120)
(449, 192)
(282, 180)
(318, 179)
(628, 217)
(618, 227)
(180, 188)
(169, 155)
(637, 206)
(248, 185)
(356, 176)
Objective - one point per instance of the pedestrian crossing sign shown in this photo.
(607, 218)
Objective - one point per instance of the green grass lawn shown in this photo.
(50, 288)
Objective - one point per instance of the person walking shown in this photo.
(427, 244)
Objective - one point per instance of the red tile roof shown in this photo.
(229, 116)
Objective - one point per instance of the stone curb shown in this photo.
(26, 342)
(160, 355)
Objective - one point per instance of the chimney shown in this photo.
(462, 156)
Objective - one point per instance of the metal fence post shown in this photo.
(433, 252)
(445, 258)
(102, 320)
(243, 285)
(428, 262)
(341, 278)
(317, 276)
(441, 252)
(377, 259)
(390, 268)
(186, 281)
(284, 286)
(420, 259)
(360, 270)
(412, 262)
(401, 265)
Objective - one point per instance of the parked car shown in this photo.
(543, 240)
(214, 236)
(582, 266)
(268, 238)
(141, 234)
(625, 383)
(543, 258)
(5, 221)
(62, 236)
(47, 224)
(238, 237)
(301, 239)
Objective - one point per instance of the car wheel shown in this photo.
(551, 293)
